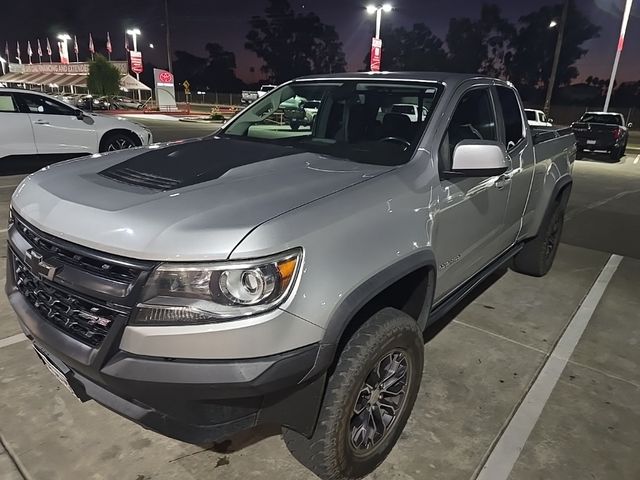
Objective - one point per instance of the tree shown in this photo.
(104, 78)
(418, 49)
(481, 45)
(293, 44)
(219, 72)
(187, 66)
(529, 64)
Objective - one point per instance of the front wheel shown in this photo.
(368, 399)
(116, 141)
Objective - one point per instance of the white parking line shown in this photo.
(635, 162)
(510, 443)
(5, 342)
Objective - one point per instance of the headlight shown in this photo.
(180, 294)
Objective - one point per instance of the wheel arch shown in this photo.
(122, 131)
(408, 285)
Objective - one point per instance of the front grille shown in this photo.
(141, 179)
(87, 263)
(82, 318)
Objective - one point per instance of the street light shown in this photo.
(151, 45)
(134, 32)
(556, 55)
(623, 30)
(371, 9)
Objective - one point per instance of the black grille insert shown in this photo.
(87, 263)
(141, 179)
(82, 318)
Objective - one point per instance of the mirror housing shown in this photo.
(550, 120)
(629, 125)
(79, 114)
(479, 158)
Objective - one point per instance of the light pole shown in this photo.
(64, 52)
(134, 32)
(623, 30)
(168, 35)
(556, 55)
(371, 9)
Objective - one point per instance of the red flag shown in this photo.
(39, 48)
(91, 47)
(109, 49)
(75, 45)
(48, 47)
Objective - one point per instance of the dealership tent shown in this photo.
(58, 80)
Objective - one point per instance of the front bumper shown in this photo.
(193, 400)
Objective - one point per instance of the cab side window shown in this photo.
(473, 119)
(512, 117)
(40, 104)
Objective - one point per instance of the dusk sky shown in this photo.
(196, 22)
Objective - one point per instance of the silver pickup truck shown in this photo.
(264, 275)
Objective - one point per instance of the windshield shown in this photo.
(531, 115)
(355, 120)
(607, 119)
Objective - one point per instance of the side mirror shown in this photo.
(479, 158)
(629, 125)
(550, 120)
(79, 114)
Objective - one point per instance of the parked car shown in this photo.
(602, 131)
(409, 110)
(33, 124)
(125, 103)
(537, 118)
(304, 115)
(261, 276)
(249, 96)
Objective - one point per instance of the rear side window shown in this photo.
(607, 119)
(40, 104)
(6, 103)
(512, 117)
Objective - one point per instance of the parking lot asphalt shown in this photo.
(488, 404)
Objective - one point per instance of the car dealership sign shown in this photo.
(165, 90)
(73, 68)
(136, 62)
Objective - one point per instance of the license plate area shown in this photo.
(54, 369)
(591, 142)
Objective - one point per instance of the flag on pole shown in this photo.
(39, 51)
(75, 47)
(109, 49)
(18, 52)
(49, 49)
(91, 47)
(126, 42)
(6, 51)
(29, 51)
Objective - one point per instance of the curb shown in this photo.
(201, 120)
(19, 467)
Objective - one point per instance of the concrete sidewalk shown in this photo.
(8, 469)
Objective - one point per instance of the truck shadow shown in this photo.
(252, 436)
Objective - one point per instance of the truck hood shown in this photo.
(185, 201)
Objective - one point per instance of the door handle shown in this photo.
(502, 181)
(41, 122)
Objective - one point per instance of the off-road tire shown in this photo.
(536, 258)
(330, 453)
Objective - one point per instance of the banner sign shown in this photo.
(136, 62)
(81, 67)
(165, 90)
(376, 54)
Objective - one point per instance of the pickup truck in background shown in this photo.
(537, 118)
(265, 276)
(602, 132)
(250, 96)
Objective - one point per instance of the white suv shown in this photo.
(34, 124)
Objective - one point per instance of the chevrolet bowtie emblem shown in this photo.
(39, 266)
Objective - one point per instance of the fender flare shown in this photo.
(346, 310)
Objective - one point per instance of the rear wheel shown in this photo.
(579, 154)
(615, 154)
(536, 258)
(368, 399)
(117, 141)
(294, 126)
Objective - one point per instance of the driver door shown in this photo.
(470, 220)
(56, 128)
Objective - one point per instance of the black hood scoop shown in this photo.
(192, 162)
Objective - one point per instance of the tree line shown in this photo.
(292, 44)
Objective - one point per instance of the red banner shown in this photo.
(376, 54)
(136, 62)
